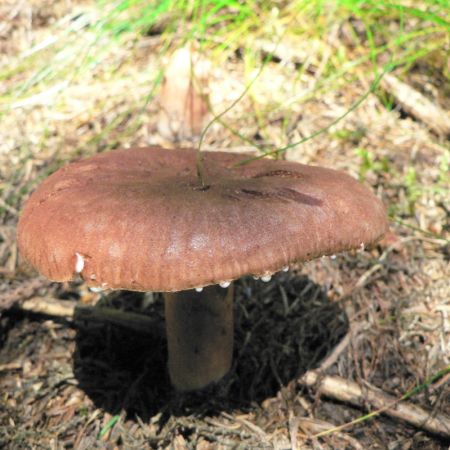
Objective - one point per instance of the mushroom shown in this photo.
(140, 219)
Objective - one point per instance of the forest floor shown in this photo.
(378, 318)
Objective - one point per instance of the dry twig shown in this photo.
(417, 105)
(73, 311)
(348, 391)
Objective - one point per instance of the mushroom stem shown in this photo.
(199, 328)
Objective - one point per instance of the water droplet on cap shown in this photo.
(96, 289)
(224, 284)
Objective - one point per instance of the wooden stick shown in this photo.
(348, 391)
(417, 105)
(72, 310)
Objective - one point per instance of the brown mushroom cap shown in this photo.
(138, 219)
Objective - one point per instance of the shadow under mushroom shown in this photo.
(282, 329)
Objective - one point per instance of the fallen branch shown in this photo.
(72, 310)
(417, 105)
(348, 391)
